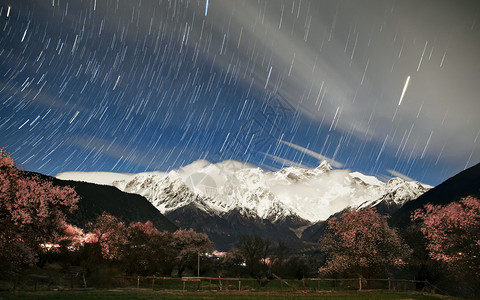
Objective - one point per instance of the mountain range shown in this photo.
(230, 198)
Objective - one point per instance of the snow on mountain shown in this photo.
(369, 180)
(397, 192)
(311, 194)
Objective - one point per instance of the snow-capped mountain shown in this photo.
(396, 193)
(217, 189)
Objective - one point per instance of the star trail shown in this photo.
(388, 88)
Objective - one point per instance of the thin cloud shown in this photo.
(116, 151)
(284, 161)
(313, 154)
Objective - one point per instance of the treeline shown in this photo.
(136, 249)
(441, 245)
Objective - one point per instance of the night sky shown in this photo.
(387, 88)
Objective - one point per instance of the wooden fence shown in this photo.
(277, 284)
(229, 284)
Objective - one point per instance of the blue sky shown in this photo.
(133, 86)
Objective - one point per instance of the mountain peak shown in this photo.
(395, 181)
(324, 166)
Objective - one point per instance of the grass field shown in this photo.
(149, 294)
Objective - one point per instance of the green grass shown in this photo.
(149, 294)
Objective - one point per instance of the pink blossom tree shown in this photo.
(453, 233)
(72, 238)
(189, 245)
(108, 233)
(32, 212)
(362, 243)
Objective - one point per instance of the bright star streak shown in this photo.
(404, 90)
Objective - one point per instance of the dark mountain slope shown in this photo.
(95, 199)
(225, 230)
(461, 185)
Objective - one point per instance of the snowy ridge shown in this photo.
(311, 194)
(397, 192)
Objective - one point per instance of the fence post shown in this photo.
(153, 282)
(389, 283)
(138, 282)
(303, 283)
(84, 280)
(239, 285)
(359, 283)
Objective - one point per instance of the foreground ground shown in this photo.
(149, 294)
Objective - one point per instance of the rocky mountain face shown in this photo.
(230, 198)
